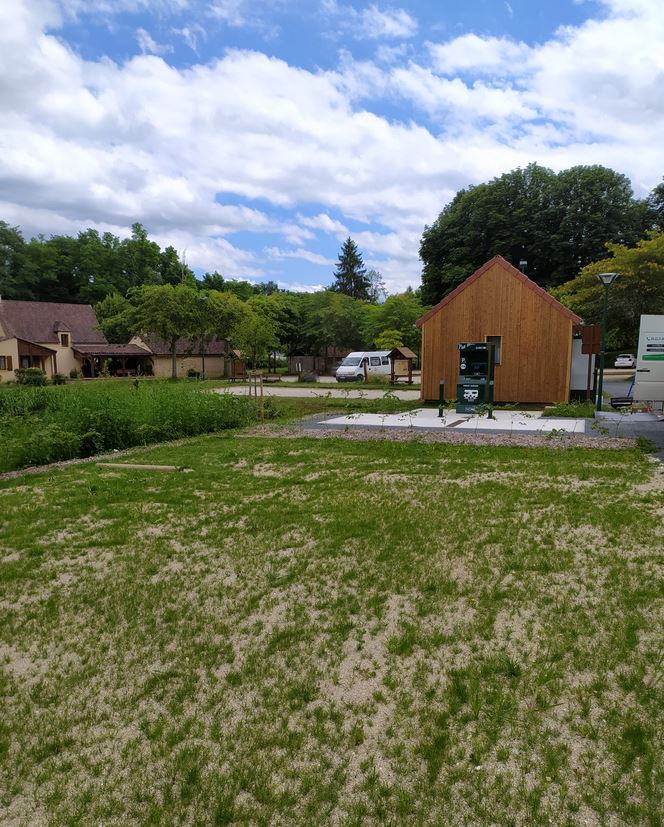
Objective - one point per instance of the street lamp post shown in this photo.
(202, 300)
(607, 280)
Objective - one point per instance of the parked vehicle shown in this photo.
(625, 360)
(352, 368)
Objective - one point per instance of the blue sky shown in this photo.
(255, 136)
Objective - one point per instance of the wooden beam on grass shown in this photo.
(132, 466)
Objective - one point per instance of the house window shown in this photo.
(64, 339)
(496, 341)
(5, 362)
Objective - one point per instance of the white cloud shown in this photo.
(191, 34)
(305, 255)
(230, 12)
(390, 23)
(101, 144)
(482, 55)
(372, 23)
(148, 45)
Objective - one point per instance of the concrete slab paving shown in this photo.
(427, 418)
(340, 393)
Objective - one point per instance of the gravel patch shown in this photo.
(533, 440)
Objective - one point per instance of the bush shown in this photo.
(59, 379)
(576, 410)
(308, 376)
(30, 376)
(192, 373)
(47, 424)
(73, 373)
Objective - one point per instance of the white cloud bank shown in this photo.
(101, 144)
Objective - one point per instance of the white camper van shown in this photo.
(377, 362)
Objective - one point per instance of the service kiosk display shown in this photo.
(475, 387)
(649, 380)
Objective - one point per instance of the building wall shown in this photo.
(65, 359)
(214, 366)
(536, 340)
(9, 348)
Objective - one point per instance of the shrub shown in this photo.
(192, 373)
(308, 376)
(577, 410)
(73, 373)
(59, 379)
(47, 424)
(30, 376)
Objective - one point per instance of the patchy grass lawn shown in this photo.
(311, 632)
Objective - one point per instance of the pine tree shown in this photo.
(351, 274)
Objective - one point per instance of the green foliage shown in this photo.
(397, 313)
(639, 288)
(255, 336)
(350, 277)
(578, 410)
(47, 424)
(59, 379)
(558, 223)
(388, 339)
(30, 376)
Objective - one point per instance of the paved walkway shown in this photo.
(336, 393)
(428, 419)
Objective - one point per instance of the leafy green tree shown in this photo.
(350, 277)
(376, 287)
(140, 257)
(174, 271)
(333, 320)
(639, 289)
(168, 311)
(558, 223)
(13, 281)
(656, 206)
(397, 313)
(285, 311)
(114, 317)
(388, 339)
(256, 337)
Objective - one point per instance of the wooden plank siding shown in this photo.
(535, 331)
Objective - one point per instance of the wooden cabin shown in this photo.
(532, 333)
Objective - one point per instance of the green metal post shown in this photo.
(600, 382)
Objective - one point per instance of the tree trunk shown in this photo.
(174, 361)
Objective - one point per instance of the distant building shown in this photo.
(188, 356)
(60, 338)
(531, 331)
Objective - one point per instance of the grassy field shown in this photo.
(40, 425)
(330, 632)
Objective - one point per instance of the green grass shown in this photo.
(46, 424)
(311, 632)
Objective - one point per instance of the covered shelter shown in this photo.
(531, 332)
(401, 364)
(121, 360)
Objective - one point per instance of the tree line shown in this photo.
(561, 229)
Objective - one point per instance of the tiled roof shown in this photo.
(185, 347)
(110, 350)
(509, 268)
(41, 321)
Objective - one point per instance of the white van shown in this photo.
(377, 362)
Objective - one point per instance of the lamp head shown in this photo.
(607, 278)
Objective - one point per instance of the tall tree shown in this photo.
(168, 311)
(14, 281)
(141, 258)
(558, 223)
(350, 277)
(638, 289)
